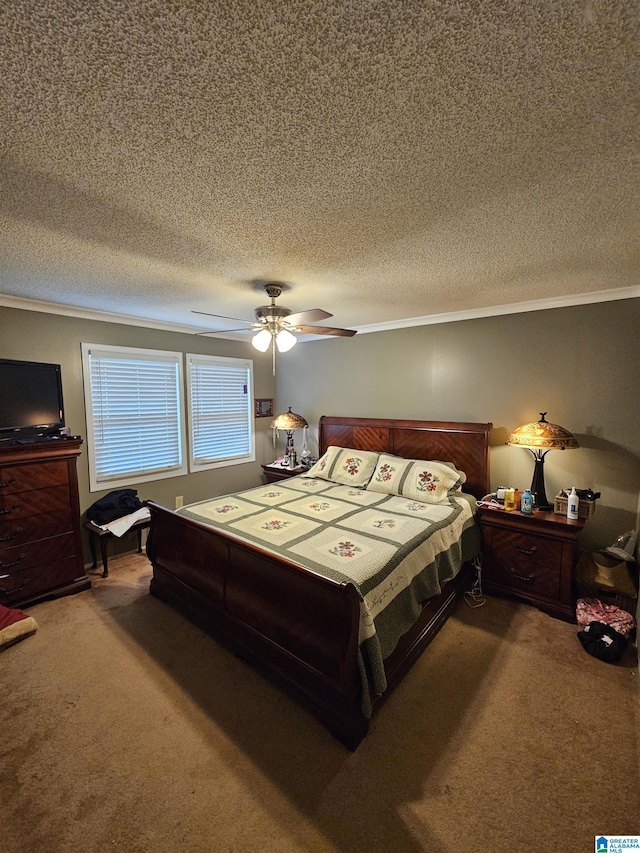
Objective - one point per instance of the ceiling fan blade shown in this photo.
(325, 330)
(223, 317)
(311, 316)
(224, 331)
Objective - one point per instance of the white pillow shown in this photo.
(345, 466)
(417, 479)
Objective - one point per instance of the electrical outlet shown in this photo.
(179, 501)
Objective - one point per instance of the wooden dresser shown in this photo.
(40, 538)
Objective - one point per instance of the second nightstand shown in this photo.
(273, 473)
(532, 557)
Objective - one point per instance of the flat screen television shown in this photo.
(30, 399)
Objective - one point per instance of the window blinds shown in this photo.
(220, 410)
(134, 414)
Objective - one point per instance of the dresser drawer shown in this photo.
(524, 563)
(21, 557)
(19, 586)
(24, 478)
(35, 527)
(24, 504)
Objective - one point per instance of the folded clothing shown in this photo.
(14, 626)
(120, 525)
(114, 505)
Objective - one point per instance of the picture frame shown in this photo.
(263, 407)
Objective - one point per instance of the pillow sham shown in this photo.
(345, 466)
(417, 479)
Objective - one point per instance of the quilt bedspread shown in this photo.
(395, 551)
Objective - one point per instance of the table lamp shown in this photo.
(289, 421)
(539, 438)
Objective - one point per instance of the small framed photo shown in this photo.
(264, 408)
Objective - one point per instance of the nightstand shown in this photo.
(532, 557)
(273, 473)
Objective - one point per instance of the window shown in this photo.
(220, 411)
(135, 415)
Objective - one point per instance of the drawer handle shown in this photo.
(531, 550)
(528, 578)
(8, 483)
(12, 535)
(15, 562)
(11, 509)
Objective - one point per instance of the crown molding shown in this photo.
(45, 307)
(511, 308)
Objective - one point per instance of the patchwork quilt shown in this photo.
(396, 551)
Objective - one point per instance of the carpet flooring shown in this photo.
(126, 728)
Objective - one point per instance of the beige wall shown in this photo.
(35, 336)
(581, 365)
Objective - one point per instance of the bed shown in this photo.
(318, 631)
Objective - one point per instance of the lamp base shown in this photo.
(547, 507)
(537, 487)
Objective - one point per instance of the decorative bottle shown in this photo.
(509, 500)
(526, 501)
(572, 504)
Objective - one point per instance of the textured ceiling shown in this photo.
(386, 160)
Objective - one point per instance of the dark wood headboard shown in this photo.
(464, 444)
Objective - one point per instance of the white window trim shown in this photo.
(247, 364)
(97, 484)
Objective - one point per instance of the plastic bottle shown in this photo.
(526, 502)
(510, 500)
(572, 504)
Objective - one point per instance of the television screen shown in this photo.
(30, 398)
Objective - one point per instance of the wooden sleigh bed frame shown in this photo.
(298, 627)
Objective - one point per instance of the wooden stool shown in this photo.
(105, 535)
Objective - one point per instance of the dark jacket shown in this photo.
(114, 505)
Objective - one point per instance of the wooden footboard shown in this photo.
(300, 627)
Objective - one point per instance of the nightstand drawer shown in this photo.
(525, 563)
(525, 576)
(528, 549)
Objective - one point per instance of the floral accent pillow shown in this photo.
(427, 481)
(345, 466)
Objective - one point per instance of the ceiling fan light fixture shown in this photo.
(285, 340)
(262, 340)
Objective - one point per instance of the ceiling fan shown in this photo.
(276, 325)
